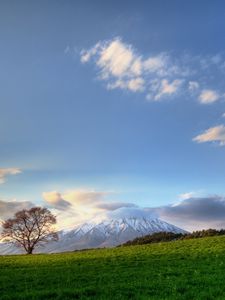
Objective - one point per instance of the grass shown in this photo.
(188, 269)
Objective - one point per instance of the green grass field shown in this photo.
(188, 269)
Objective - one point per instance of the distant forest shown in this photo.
(158, 237)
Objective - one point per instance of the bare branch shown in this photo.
(30, 228)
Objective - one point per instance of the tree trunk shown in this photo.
(30, 251)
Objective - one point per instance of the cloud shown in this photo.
(78, 206)
(193, 85)
(213, 134)
(195, 213)
(136, 84)
(86, 55)
(208, 96)
(9, 208)
(120, 66)
(84, 197)
(190, 213)
(157, 64)
(6, 172)
(188, 195)
(55, 200)
(118, 59)
(167, 88)
(131, 212)
(111, 206)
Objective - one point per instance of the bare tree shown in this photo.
(30, 228)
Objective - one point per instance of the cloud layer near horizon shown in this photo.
(191, 213)
(77, 206)
(9, 208)
(195, 213)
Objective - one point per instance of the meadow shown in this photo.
(186, 269)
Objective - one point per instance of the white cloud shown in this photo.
(121, 67)
(167, 88)
(87, 54)
(84, 197)
(213, 134)
(85, 57)
(188, 195)
(193, 85)
(158, 75)
(157, 64)
(121, 84)
(208, 96)
(136, 67)
(4, 172)
(134, 85)
(117, 59)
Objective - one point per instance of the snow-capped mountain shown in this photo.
(108, 233)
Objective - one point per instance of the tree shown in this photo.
(30, 228)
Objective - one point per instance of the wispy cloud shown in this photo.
(5, 172)
(121, 67)
(134, 85)
(193, 86)
(168, 88)
(208, 96)
(187, 195)
(213, 134)
(158, 76)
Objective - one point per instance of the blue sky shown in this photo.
(146, 127)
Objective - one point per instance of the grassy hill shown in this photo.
(186, 269)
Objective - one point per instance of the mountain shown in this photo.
(108, 233)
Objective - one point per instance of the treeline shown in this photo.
(203, 233)
(158, 237)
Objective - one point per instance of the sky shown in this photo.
(110, 106)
